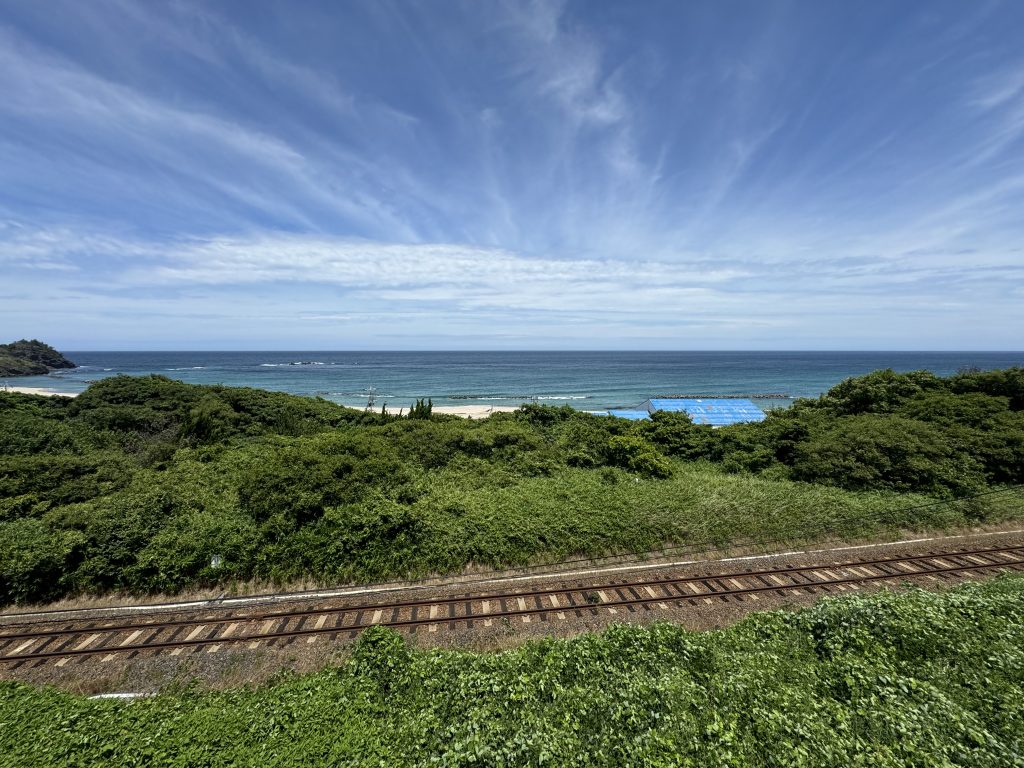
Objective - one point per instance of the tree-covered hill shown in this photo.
(137, 483)
(30, 358)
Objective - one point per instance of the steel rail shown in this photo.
(460, 598)
(736, 592)
(639, 558)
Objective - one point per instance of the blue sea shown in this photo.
(584, 380)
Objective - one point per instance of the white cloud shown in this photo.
(446, 279)
(998, 88)
(248, 165)
(511, 167)
(460, 276)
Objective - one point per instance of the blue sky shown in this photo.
(497, 175)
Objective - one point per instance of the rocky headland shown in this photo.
(30, 358)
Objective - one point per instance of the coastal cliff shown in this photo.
(30, 358)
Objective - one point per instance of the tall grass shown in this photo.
(470, 519)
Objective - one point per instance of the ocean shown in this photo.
(584, 380)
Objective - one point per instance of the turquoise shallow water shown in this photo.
(585, 380)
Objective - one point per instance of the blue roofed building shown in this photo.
(629, 414)
(717, 412)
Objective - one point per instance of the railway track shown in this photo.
(23, 645)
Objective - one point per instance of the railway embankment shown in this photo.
(837, 683)
(159, 643)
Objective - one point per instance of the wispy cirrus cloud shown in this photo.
(415, 170)
(565, 64)
(367, 284)
(185, 150)
(996, 89)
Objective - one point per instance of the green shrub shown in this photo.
(148, 475)
(1008, 383)
(878, 392)
(676, 435)
(209, 420)
(34, 560)
(872, 451)
(421, 409)
(636, 455)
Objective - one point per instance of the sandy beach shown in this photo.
(38, 391)
(466, 411)
(474, 411)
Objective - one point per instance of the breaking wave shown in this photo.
(297, 362)
(518, 398)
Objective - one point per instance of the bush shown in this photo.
(636, 455)
(209, 420)
(1008, 383)
(145, 476)
(421, 409)
(875, 452)
(878, 392)
(34, 560)
(676, 435)
(61, 478)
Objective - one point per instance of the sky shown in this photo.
(718, 174)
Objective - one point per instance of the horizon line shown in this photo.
(563, 351)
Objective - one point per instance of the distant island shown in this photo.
(30, 358)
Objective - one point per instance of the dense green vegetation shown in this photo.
(137, 483)
(904, 679)
(30, 358)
